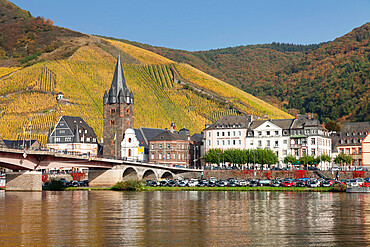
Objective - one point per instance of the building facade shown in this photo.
(300, 136)
(365, 144)
(169, 148)
(349, 141)
(72, 135)
(133, 147)
(118, 113)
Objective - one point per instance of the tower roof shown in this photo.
(118, 93)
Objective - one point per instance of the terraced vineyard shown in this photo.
(29, 93)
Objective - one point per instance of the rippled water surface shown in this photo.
(107, 218)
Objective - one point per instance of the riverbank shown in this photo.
(277, 189)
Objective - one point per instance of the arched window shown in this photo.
(129, 140)
(112, 122)
(128, 111)
(112, 111)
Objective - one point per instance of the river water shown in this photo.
(108, 218)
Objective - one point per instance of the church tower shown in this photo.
(118, 110)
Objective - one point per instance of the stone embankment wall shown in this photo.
(23, 181)
(250, 174)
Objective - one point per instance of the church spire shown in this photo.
(118, 85)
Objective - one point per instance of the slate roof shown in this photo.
(352, 133)
(149, 133)
(74, 124)
(197, 137)
(241, 121)
(17, 144)
(118, 93)
(256, 124)
(168, 136)
(303, 121)
(282, 123)
(140, 138)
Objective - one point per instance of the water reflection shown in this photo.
(96, 218)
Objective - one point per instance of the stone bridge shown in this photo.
(102, 172)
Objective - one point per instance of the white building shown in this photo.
(72, 135)
(227, 132)
(300, 136)
(272, 134)
(132, 146)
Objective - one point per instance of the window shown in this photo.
(218, 133)
(68, 139)
(240, 142)
(160, 146)
(268, 143)
(174, 156)
(168, 146)
(94, 139)
(129, 153)
(276, 133)
(168, 156)
(285, 152)
(112, 111)
(85, 131)
(313, 151)
(62, 131)
(223, 142)
(218, 142)
(313, 141)
(160, 156)
(240, 133)
(223, 133)
(250, 133)
(233, 133)
(209, 134)
(260, 143)
(228, 133)
(276, 143)
(179, 156)
(209, 142)
(259, 133)
(304, 151)
(87, 139)
(360, 151)
(268, 133)
(296, 152)
(354, 151)
(233, 142)
(128, 111)
(129, 140)
(152, 156)
(251, 143)
(152, 146)
(228, 142)
(285, 141)
(111, 123)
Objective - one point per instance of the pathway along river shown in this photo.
(188, 218)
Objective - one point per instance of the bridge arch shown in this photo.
(167, 175)
(129, 173)
(149, 175)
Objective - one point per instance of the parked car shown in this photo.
(193, 182)
(275, 183)
(314, 183)
(253, 183)
(264, 182)
(300, 184)
(287, 183)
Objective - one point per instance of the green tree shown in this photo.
(213, 156)
(290, 159)
(343, 159)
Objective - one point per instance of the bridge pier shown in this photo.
(23, 181)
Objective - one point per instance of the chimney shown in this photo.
(173, 127)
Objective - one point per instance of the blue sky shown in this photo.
(203, 24)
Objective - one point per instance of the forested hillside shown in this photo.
(332, 81)
(81, 67)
